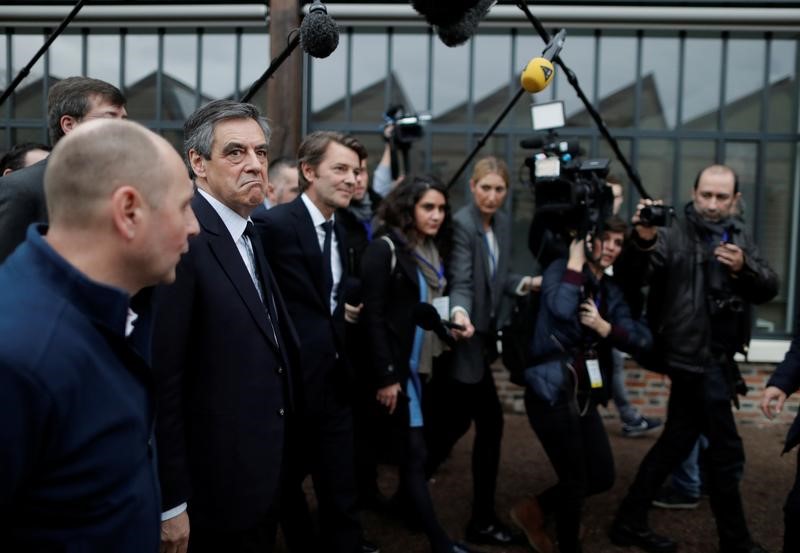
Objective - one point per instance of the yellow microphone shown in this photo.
(539, 71)
(537, 75)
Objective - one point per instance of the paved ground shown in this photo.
(525, 470)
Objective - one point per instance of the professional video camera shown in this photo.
(408, 127)
(571, 195)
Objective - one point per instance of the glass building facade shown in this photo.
(676, 98)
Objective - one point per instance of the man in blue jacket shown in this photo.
(783, 383)
(77, 461)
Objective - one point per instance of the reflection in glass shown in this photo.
(180, 76)
(701, 79)
(656, 167)
(617, 83)
(490, 81)
(255, 59)
(659, 82)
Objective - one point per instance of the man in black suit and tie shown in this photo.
(222, 350)
(305, 247)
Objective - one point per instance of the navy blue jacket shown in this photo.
(77, 470)
(787, 378)
(559, 331)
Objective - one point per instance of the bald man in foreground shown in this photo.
(77, 466)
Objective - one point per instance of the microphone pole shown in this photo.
(273, 66)
(25, 71)
(601, 125)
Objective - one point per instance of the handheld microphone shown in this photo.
(455, 21)
(352, 290)
(426, 317)
(319, 34)
(539, 71)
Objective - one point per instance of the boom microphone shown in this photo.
(539, 71)
(319, 34)
(455, 21)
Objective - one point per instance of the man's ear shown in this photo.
(308, 172)
(126, 211)
(197, 163)
(68, 123)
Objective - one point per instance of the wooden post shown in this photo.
(284, 89)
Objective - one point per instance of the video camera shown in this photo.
(408, 127)
(571, 195)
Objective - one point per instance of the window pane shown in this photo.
(774, 221)
(617, 84)
(782, 89)
(328, 84)
(141, 59)
(578, 54)
(491, 78)
(743, 95)
(180, 75)
(103, 58)
(659, 82)
(65, 56)
(701, 83)
(256, 57)
(742, 157)
(450, 82)
(410, 68)
(28, 95)
(219, 65)
(368, 77)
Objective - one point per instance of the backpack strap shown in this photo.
(388, 240)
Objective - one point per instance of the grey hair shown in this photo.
(198, 131)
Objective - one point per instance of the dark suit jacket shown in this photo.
(223, 385)
(486, 300)
(292, 248)
(21, 203)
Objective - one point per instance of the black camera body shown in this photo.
(571, 193)
(408, 128)
(657, 215)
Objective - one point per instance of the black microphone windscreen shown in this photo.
(319, 35)
(457, 33)
(352, 290)
(425, 316)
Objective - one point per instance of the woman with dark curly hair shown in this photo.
(401, 267)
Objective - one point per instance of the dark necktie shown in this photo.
(260, 263)
(327, 272)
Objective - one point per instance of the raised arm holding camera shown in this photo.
(582, 315)
(704, 272)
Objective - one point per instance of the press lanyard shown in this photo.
(439, 272)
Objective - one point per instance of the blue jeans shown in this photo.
(686, 478)
(627, 412)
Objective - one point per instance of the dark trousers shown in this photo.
(579, 450)
(324, 449)
(454, 406)
(791, 515)
(415, 492)
(259, 539)
(698, 404)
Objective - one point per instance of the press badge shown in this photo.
(442, 305)
(595, 377)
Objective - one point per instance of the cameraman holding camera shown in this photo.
(581, 317)
(704, 272)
